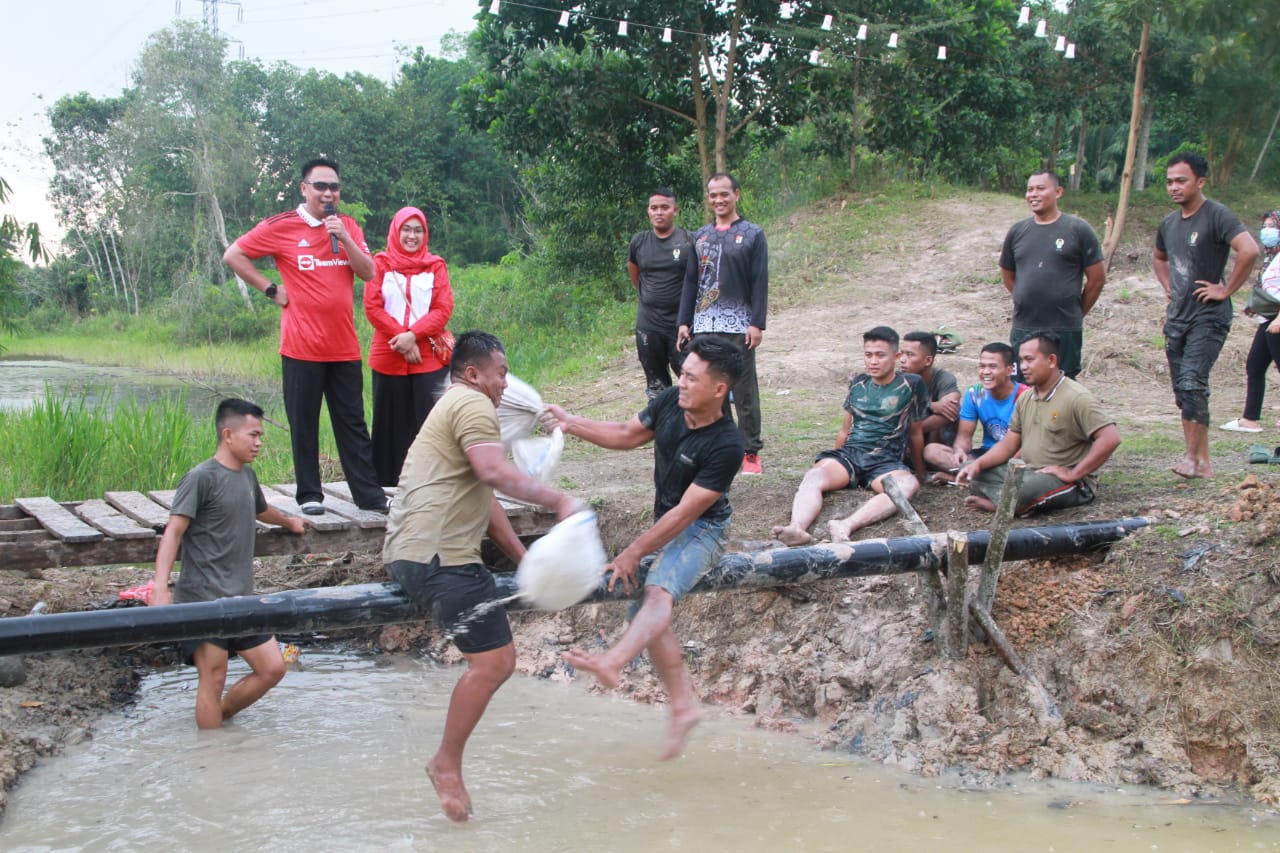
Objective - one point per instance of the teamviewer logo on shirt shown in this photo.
(306, 263)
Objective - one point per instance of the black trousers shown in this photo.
(660, 359)
(341, 385)
(746, 394)
(1264, 352)
(400, 406)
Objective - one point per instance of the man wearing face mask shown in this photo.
(317, 252)
(1265, 350)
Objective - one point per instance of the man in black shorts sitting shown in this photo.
(212, 522)
(883, 412)
(432, 548)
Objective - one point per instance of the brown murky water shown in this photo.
(332, 760)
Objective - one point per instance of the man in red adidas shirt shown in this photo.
(319, 351)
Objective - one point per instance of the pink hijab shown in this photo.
(395, 257)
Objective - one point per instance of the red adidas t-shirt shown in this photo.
(317, 324)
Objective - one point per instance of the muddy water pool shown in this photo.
(332, 759)
(23, 381)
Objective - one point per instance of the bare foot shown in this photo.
(791, 536)
(455, 802)
(607, 676)
(1192, 470)
(682, 722)
(839, 531)
(979, 503)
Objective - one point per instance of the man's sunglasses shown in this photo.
(325, 186)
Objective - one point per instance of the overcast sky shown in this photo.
(59, 47)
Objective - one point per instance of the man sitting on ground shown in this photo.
(1062, 433)
(990, 403)
(919, 349)
(883, 413)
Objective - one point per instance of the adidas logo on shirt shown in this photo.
(303, 244)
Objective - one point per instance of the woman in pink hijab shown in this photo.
(408, 303)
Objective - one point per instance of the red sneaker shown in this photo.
(751, 464)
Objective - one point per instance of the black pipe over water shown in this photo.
(330, 608)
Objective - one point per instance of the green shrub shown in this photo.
(206, 313)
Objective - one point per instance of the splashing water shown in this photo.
(462, 626)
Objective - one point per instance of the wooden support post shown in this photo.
(1000, 532)
(930, 582)
(956, 642)
(1046, 708)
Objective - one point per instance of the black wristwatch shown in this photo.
(270, 291)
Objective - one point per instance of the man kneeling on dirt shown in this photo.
(212, 520)
(1062, 433)
(884, 411)
(432, 548)
(697, 451)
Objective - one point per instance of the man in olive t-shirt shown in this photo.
(1062, 432)
(432, 549)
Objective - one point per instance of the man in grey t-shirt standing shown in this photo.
(212, 522)
(1192, 246)
(656, 262)
(1044, 258)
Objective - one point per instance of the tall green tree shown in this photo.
(16, 240)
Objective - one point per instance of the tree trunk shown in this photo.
(106, 256)
(220, 231)
(856, 118)
(1144, 143)
(1051, 162)
(1235, 147)
(1135, 118)
(1077, 171)
(724, 93)
(697, 51)
(93, 262)
(1265, 145)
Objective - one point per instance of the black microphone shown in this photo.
(330, 210)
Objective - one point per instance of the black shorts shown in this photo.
(864, 468)
(231, 645)
(452, 594)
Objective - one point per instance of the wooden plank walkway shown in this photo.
(125, 527)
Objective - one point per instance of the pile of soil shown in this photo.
(1160, 653)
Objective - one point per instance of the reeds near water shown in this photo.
(69, 448)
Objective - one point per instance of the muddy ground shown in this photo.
(1161, 653)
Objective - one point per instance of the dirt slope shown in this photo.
(1161, 654)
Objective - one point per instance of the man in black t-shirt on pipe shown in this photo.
(697, 450)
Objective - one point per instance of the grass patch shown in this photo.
(1145, 443)
(146, 342)
(68, 449)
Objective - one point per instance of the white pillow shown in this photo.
(564, 566)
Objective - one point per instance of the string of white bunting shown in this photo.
(787, 11)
